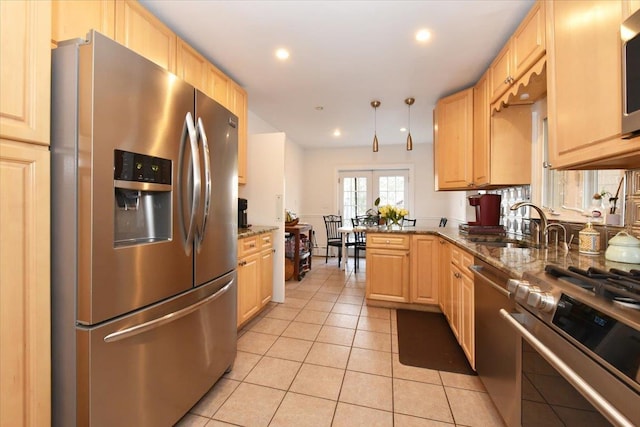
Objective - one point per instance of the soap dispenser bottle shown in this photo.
(589, 240)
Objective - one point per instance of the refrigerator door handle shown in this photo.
(155, 323)
(187, 232)
(207, 175)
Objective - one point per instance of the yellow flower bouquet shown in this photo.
(393, 214)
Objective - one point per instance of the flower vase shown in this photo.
(394, 224)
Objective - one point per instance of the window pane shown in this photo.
(392, 190)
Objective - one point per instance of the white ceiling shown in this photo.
(344, 54)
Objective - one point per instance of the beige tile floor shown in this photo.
(325, 358)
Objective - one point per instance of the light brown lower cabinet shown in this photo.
(25, 285)
(402, 268)
(254, 275)
(388, 267)
(462, 313)
(424, 269)
(444, 279)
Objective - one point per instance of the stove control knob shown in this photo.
(522, 293)
(541, 300)
(513, 284)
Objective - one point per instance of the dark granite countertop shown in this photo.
(515, 261)
(255, 230)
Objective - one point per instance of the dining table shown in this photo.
(345, 231)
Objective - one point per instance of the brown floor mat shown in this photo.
(426, 341)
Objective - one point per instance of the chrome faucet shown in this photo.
(540, 237)
(562, 243)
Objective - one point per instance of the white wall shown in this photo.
(320, 178)
(265, 194)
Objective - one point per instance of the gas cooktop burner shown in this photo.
(622, 287)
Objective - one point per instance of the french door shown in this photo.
(358, 190)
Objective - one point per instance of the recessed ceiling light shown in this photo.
(423, 35)
(337, 132)
(282, 54)
(403, 129)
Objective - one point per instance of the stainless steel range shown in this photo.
(581, 346)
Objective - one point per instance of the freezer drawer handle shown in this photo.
(152, 324)
(608, 410)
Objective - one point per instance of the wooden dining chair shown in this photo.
(334, 237)
(360, 243)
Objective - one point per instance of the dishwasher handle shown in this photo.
(596, 399)
(477, 271)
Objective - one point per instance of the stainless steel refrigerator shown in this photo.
(144, 235)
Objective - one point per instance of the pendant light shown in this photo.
(409, 102)
(375, 105)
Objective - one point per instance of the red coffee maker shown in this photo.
(487, 209)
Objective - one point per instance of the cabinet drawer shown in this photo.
(248, 246)
(266, 241)
(461, 259)
(388, 241)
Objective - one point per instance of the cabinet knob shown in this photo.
(387, 242)
(273, 250)
(252, 245)
(457, 275)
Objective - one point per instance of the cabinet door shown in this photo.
(584, 95)
(192, 67)
(266, 276)
(453, 139)
(511, 146)
(481, 147)
(25, 329)
(73, 18)
(388, 275)
(248, 280)
(456, 290)
(467, 313)
(424, 269)
(528, 43)
(218, 85)
(25, 67)
(238, 106)
(142, 32)
(500, 72)
(444, 277)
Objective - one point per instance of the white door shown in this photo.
(359, 189)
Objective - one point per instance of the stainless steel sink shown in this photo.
(518, 244)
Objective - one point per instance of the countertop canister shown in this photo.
(589, 240)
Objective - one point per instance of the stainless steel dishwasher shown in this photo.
(498, 346)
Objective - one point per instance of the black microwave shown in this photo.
(630, 33)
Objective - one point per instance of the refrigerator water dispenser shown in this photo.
(142, 199)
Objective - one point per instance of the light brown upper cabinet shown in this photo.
(453, 141)
(72, 18)
(524, 48)
(481, 135)
(238, 106)
(584, 86)
(25, 66)
(142, 32)
(192, 67)
(218, 86)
